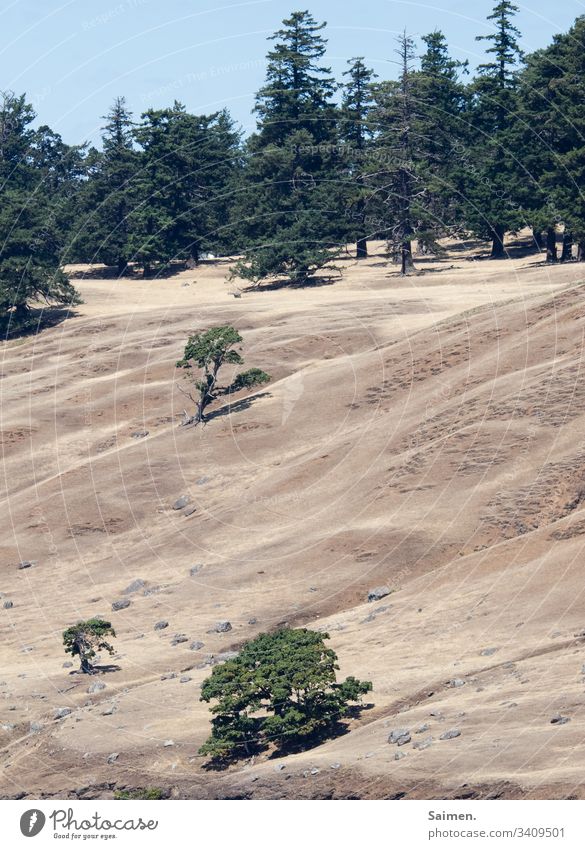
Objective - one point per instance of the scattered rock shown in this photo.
(422, 728)
(560, 720)
(253, 621)
(315, 771)
(223, 656)
(8, 726)
(160, 626)
(197, 645)
(179, 638)
(168, 743)
(335, 766)
(97, 687)
(35, 727)
(181, 502)
(67, 664)
(423, 744)
(168, 676)
(184, 679)
(194, 570)
(457, 682)
(451, 734)
(278, 767)
(400, 736)
(222, 627)
(26, 564)
(113, 757)
(121, 604)
(378, 592)
(399, 755)
(111, 709)
(7, 605)
(62, 712)
(134, 587)
(139, 434)
(189, 511)
(487, 652)
(202, 481)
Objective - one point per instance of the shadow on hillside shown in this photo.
(308, 283)
(98, 669)
(39, 319)
(236, 406)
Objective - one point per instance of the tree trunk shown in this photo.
(122, 265)
(406, 256)
(361, 249)
(581, 252)
(86, 666)
(498, 234)
(567, 254)
(551, 245)
(146, 270)
(539, 239)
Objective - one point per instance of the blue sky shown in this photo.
(73, 57)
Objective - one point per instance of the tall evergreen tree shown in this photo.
(30, 231)
(289, 200)
(110, 193)
(356, 131)
(492, 208)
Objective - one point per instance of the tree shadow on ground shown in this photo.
(98, 669)
(236, 406)
(40, 319)
(308, 283)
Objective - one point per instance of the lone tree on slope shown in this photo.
(84, 638)
(208, 352)
(280, 689)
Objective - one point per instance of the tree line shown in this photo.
(434, 153)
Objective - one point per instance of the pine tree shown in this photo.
(356, 131)
(30, 236)
(110, 194)
(289, 200)
(492, 209)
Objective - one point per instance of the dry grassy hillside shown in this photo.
(425, 433)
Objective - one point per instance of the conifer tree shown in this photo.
(31, 240)
(289, 199)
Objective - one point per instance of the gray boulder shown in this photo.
(399, 736)
(26, 564)
(457, 682)
(62, 712)
(197, 645)
(113, 757)
(7, 605)
(560, 720)
(423, 744)
(223, 627)
(121, 604)
(181, 502)
(178, 639)
(160, 626)
(378, 592)
(451, 734)
(96, 688)
(134, 587)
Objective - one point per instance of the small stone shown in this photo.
(121, 604)
(67, 664)
(197, 645)
(113, 757)
(62, 712)
(189, 511)
(111, 709)
(139, 434)
(487, 652)
(378, 592)
(315, 771)
(335, 766)
(35, 727)
(223, 627)
(278, 767)
(97, 687)
(8, 726)
(194, 570)
(252, 621)
(202, 481)
(26, 564)
(7, 605)
(423, 744)
(184, 679)
(451, 734)
(168, 676)
(179, 638)
(160, 626)
(560, 720)
(422, 728)
(181, 502)
(168, 743)
(399, 755)
(457, 682)
(134, 587)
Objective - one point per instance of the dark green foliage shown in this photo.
(85, 638)
(281, 689)
(208, 352)
(288, 202)
(147, 794)
(35, 168)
